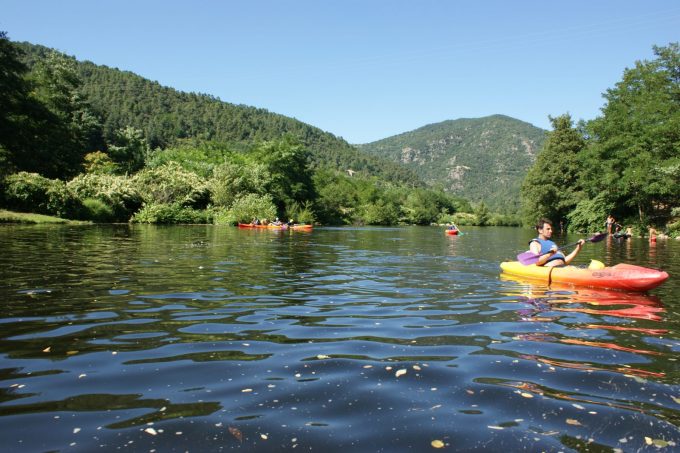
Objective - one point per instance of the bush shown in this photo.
(30, 192)
(380, 213)
(252, 205)
(99, 163)
(224, 217)
(171, 213)
(673, 229)
(117, 192)
(171, 184)
(459, 218)
(301, 214)
(231, 180)
(97, 211)
(504, 220)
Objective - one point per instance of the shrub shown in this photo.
(380, 213)
(231, 180)
(27, 192)
(483, 214)
(504, 220)
(97, 211)
(99, 163)
(301, 214)
(252, 205)
(171, 213)
(118, 192)
(30, 192)
(459, 218)
(224, 217)
(673, 229)
(171, 184)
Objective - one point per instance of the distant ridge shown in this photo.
(481, 159)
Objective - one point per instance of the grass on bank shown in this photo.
(30, 218)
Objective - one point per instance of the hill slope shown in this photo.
(482, 159)
(122, 98)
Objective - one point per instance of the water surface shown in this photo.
(204, 338)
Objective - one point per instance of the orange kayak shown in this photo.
(451, 232)
(622, 276)
(276, 227)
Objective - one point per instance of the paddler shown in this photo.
(549, 256)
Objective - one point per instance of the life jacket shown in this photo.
(546, 245)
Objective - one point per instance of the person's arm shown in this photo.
(536, 248)
(572, 255)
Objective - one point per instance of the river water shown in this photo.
(206, 338)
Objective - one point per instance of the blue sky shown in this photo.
(365, 69)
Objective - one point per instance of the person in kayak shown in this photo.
(547, 249)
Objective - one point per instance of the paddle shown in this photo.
(528, 258)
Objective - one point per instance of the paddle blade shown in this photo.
(528, 258)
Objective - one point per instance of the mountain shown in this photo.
(481, 159)
(165, 115)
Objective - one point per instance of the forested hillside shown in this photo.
(123, 99)
(82, 141)
(482, 159)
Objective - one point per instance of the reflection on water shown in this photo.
(370, 339)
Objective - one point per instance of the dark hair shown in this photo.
(542, 221)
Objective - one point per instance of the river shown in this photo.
(213, 338)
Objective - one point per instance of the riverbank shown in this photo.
(27, 217)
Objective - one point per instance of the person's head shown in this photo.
(544, 227)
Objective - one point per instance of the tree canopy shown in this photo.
(625, 162)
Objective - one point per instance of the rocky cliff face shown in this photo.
(482, 159)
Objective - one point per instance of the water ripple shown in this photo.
(368, 339)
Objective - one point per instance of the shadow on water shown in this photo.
(209, 338)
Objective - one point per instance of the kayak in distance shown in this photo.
(452, 230)
(276, 227)
(621, 276)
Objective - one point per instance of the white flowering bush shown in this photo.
(171, 184)
(117, 192)
(171, 213)
(30, 192)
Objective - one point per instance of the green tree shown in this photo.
(234, 179)
(337, 196)
(72, 128)
(129, 149)
(483, 215)
(635, 150)
(552, 187)
(99, 163)
(23, 120)
(421, 207)
(290, 182)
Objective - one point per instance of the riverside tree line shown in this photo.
(625, 162)
(186, 158)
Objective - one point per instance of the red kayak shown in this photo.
(451, 232)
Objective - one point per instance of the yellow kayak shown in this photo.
(621, 276)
